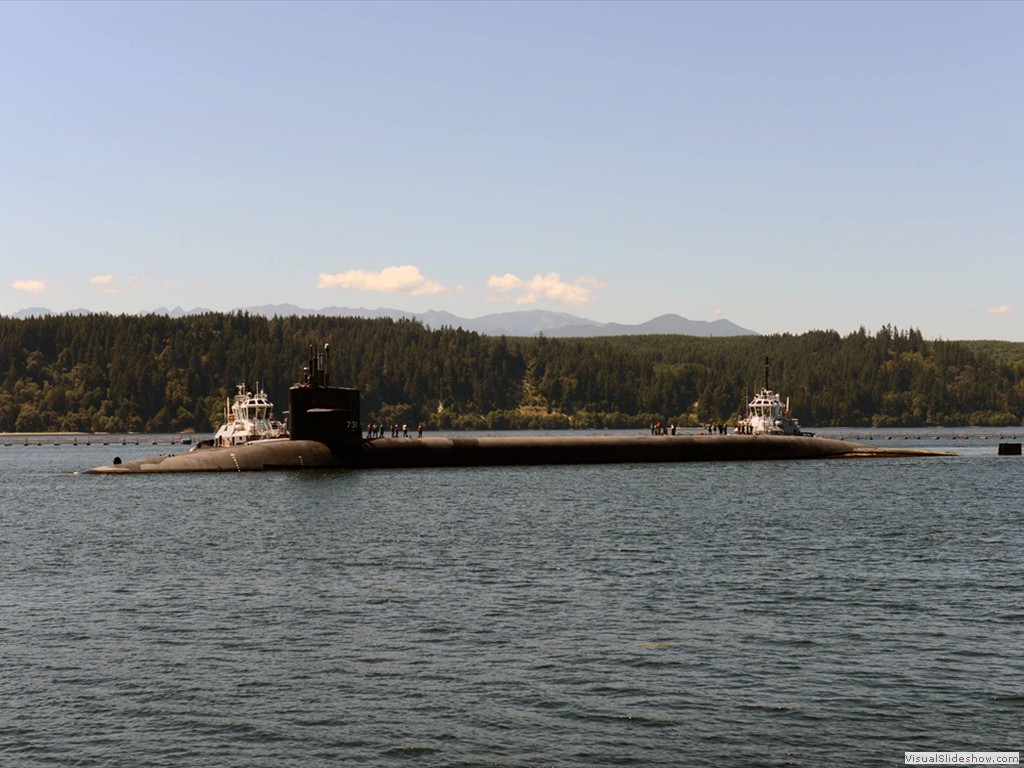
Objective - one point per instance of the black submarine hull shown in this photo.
(383, 453)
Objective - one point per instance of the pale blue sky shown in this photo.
(788, 166)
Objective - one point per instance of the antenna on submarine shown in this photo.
(317, 370)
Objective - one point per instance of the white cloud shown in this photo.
(29, 286)
(549, 287)
(999, 311)
(505, 283)
(406, 279)
(718, 311)
(106, 281)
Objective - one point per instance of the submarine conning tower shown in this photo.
(318, 411)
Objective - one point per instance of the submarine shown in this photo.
(325, 432)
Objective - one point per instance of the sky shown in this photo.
(785, 166)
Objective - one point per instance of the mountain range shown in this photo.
(521, 323)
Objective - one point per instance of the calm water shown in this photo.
(755, 614)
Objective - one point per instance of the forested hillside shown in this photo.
(103, 373)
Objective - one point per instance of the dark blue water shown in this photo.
(757, 614)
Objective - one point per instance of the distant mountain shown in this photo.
(21, 314)
(526, 323)
(523, 323)
(664, 324)
(179, 312)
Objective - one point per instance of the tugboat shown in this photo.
(767, 414)
(250, 417)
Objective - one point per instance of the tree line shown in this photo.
(152, 373)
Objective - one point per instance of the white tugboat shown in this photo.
(250, 417)
(767, 414)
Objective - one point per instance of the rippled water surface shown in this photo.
(761, 614)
